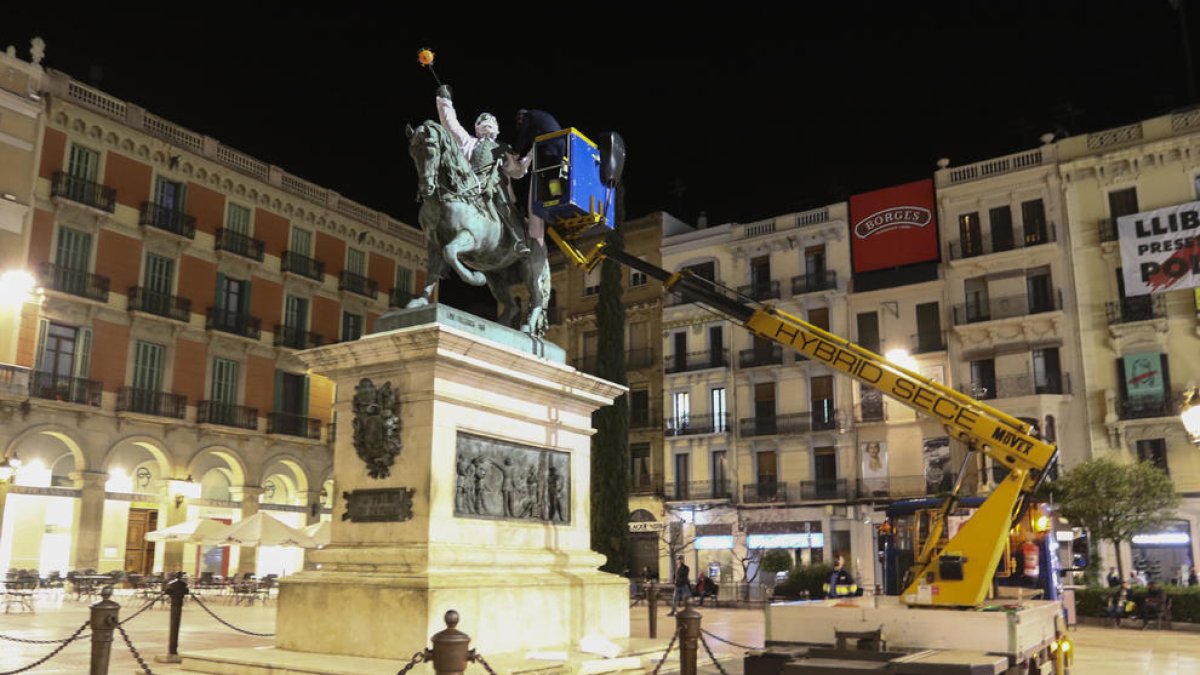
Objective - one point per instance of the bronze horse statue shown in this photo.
(461, 215)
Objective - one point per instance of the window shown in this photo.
(159, 276)
(74, 250)
(637, 278)
(233, 295)
(814, 264)
(301, 242)
(1153, 450)
(929, 328)
(819, 317)
(983, 379)
(295, 313)
(62, 356)
(824, 466)
(704, 270)
(717, 406)
(148, 367)
(84, 163)
(969, 232)
(1122, 203)
(225, 381)
(237, 219)
(868, 330)
(764, 408)
(291, 393)
(682, 476)
(720, 474)
(681, 408)
(591, 281)
(1033, 217)
(58, 353)
(760, 276)
(404, 279)
(1047, 373)
(1000, 220)
(169, 195)
(977, 307)
(820, 391)
(766, 469)
(679, 358)
(1039, 291)
(639, 408)
(352, 326)
(639, 465)
(716, 346)
(356, 262)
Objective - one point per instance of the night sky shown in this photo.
(744, 115)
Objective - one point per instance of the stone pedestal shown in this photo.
(380, 589)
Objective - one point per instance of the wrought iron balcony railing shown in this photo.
(67, 389)
(817, 281)
(238, 243)
(1144, 407)
(765, 491)
(637, 359)
(924, 343)
(987, 244)
(698, 489)
(296, 338)
(894, 487)
(357, 283)
(693, 425)
(167, 219)
(1108, 229)
(752, 358)
(1007, 307)
(682, 363)
(824, 488)
(74, 282)
(1136, 308)
(86, 192)
(160, 304)
(645, 484)
(290, 424)
(151, 402)
(763, 290)
(644, 418)
(232, 321)
(227, 415)
(771, 425)
(399, 298)
(302, 265)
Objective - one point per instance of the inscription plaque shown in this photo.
(382, 505)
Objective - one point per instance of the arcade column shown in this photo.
(248, 495)
(89, 518)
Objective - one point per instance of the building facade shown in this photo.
(151, 377)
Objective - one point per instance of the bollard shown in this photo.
(687, 626)
(103, 622)
(176, 590)
(652, 605)
(450, 651)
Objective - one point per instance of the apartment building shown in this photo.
(151, 377)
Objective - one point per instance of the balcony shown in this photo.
(1136, 308)
(645, 484)
(694, 425)
(1108, 230)
(870, 406)
(771, 425)
(302, 265)
(698, 489)
(238, 244)
(637, 359)
(764, 492)
(763, 290)
(1010, 386)
(752, 358)
(14, 380)
(66, 389)
(986, 245)
(234, 322)
(151, 402)
(159, 304)
(824, 488)
(682, 363)
(983, 390)
(817, 281)
(644, 418)
(227, 415)
(357, 283)
(289, 424)
(83, 191)
(1006, 307)
(167, 219)
(925, 343)
(399, 298)
(296, 338)
(74, 282)
(1139, 408)
(893, 487)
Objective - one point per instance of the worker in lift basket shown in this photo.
(840, 584)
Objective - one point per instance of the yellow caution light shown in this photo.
(1042, 524)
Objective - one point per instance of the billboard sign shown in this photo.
(894, 226)
(1160, 249)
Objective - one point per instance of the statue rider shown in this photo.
(485, 155)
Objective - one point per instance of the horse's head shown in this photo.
(424, 144)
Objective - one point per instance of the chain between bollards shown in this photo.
(472, 655)
(226, 623)
(419, 657)
(710, 653)
(133, 650)
(52, 654)
(731, 643)
(666, 653)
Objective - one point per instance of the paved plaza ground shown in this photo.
(1100, 651)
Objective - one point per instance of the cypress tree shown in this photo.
(610, 444)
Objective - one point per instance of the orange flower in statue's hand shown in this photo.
(425, 56)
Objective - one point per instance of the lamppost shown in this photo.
(8, 474)
(1189, 413)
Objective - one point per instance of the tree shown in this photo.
(610, 445)
(1115, 501)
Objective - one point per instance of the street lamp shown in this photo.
(16, 286)
(8, 470)
(1189, 413)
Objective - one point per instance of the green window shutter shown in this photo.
(304, 403)
(148, 366)
(74, 249)
(221, 281)
(224, 381)
(84, 163)
(278, 390)
(238, 220)
(403, 278)
(83, 361)
(40, 363)
(356, 262)
(245, 308)
(160, 274)
(301, 242)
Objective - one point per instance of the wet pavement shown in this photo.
(1099, 650)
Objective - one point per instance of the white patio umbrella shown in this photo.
(189, 531)
(320, 532)
(260, 529)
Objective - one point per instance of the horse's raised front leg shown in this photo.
(463, 242)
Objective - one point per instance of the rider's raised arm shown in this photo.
(449, 119)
